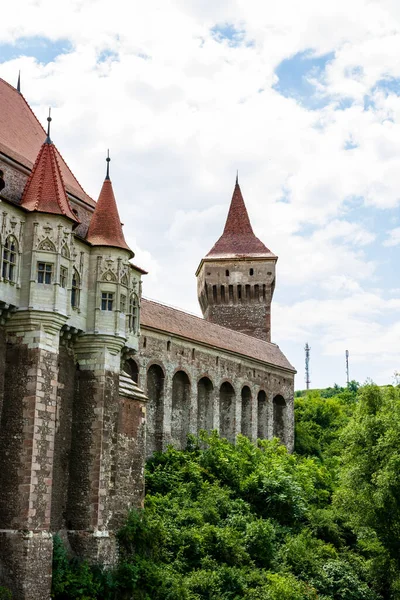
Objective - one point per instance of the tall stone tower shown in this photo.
(236, 279)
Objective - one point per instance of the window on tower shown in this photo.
(9, 259)
(251, 272)
(107, 300)
(45, 272)
(75, 290)
(63, 276)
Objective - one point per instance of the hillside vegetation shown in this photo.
(254, 522)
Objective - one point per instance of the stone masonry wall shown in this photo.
(187, 407)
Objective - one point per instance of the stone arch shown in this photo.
(227, 420)
(47, 245)
(131, 367)
(246, 420)
(65, 250)
(262, 415)
(205, 408)
(279, 417)
(155, 409)
(180, 408)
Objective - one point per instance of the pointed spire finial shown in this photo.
(19, 82)
(108, 165)
(237, 176)
(48, 139)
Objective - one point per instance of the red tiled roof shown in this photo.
(44, 191)
(105, 227)
(21, 136)
(238, 238)
(177, 322)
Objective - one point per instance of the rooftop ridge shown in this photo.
(186, 312)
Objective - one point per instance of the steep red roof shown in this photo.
(21, 136)
(105, 227)
(45, 191)
(238, 238)
(177, 322)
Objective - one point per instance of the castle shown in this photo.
(93, 377)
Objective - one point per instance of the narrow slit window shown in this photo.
(133, 316)
(222, 293)
(251, 272)
(214, 293)
(231, 293)
(75, 289)
(63, 277)
(45, 272)
(122, 303)
(107, 300)
(227, 272)
(239, 292)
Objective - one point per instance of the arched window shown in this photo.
(279, 415)
(65, 251)
(10, 259)
(246, 424)
(133, 313)
(75, 290)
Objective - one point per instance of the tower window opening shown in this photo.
(63, 276)
(251, 272)
(215, 293)
(45, 272)
(231, 293)
(144, 342)
(256, 292)
(133, 313)
(193, 353)
(122, 303)
(75, 289)
(107, 300)
(9, 259)
(239, 292)
(217, 361)
(222, 293)
(168, 345)
(227, 272)
(263, 292)
(247, 292)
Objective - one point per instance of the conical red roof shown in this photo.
(105, 227)
(45, 191)
(238, 238)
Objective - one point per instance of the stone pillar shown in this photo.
(92, 457)
(127, 480)
(27, 451)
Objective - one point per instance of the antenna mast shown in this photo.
(307, 351)
(347, 367)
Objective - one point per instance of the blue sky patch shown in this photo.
(228, 32)
(106, 55)
(295, 76)
(41, 48)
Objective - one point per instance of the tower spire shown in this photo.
(48, 139)
(19, 82)
(237, 176)
(108, 166)
(105, 227)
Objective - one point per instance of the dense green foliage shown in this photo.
(253, 522)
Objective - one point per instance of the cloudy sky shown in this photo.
(302, 97)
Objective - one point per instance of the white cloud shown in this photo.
(393, 238)
(182, 109)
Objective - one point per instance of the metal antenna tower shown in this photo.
(347, 367)
(307, 351)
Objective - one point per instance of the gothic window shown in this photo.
(122, 303)
(75, 290)
(109, 276)
(9, 259)
(63, 277)
(107, 300)
(133, 316)
(124, 280)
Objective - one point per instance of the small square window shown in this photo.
(45, 272)
(63, 277)
(107, 300)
